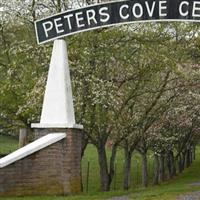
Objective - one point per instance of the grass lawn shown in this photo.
(166, 191)
(7, 144)
(117, 184)
(171, 189)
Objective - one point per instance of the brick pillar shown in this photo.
(54, 170)
(71, 157)
(40, 132)
(72, 162)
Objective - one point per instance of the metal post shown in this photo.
(115, 175)
(88, 175)
(22, 137)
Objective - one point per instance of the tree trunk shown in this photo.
(112, 163)
(127, 168)
(144, 170)
(84, 144)
(180, 168)
(83, 147)
(156, 170)
(173, 161)
(161, 168)
(171, 164)
(188, 158)
(191, 156)
(194, 152)
(183, 160)
(104, 175)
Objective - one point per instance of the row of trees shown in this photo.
(135, 85)
(140, 90)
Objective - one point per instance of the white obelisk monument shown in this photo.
(58, 109)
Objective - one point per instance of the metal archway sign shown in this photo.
(114, 13)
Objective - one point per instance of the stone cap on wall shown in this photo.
(56, 125)
(31, 148)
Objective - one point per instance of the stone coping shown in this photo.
(56, 125)
(31, 148)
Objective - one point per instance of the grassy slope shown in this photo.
(170, 190)
(166, 191)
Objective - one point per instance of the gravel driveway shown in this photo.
(120, 198)
(192, 196)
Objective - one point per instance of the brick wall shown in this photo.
(54, 170)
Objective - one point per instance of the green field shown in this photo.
(166, 191)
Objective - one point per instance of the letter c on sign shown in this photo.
(184, 14)
(121, 12)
